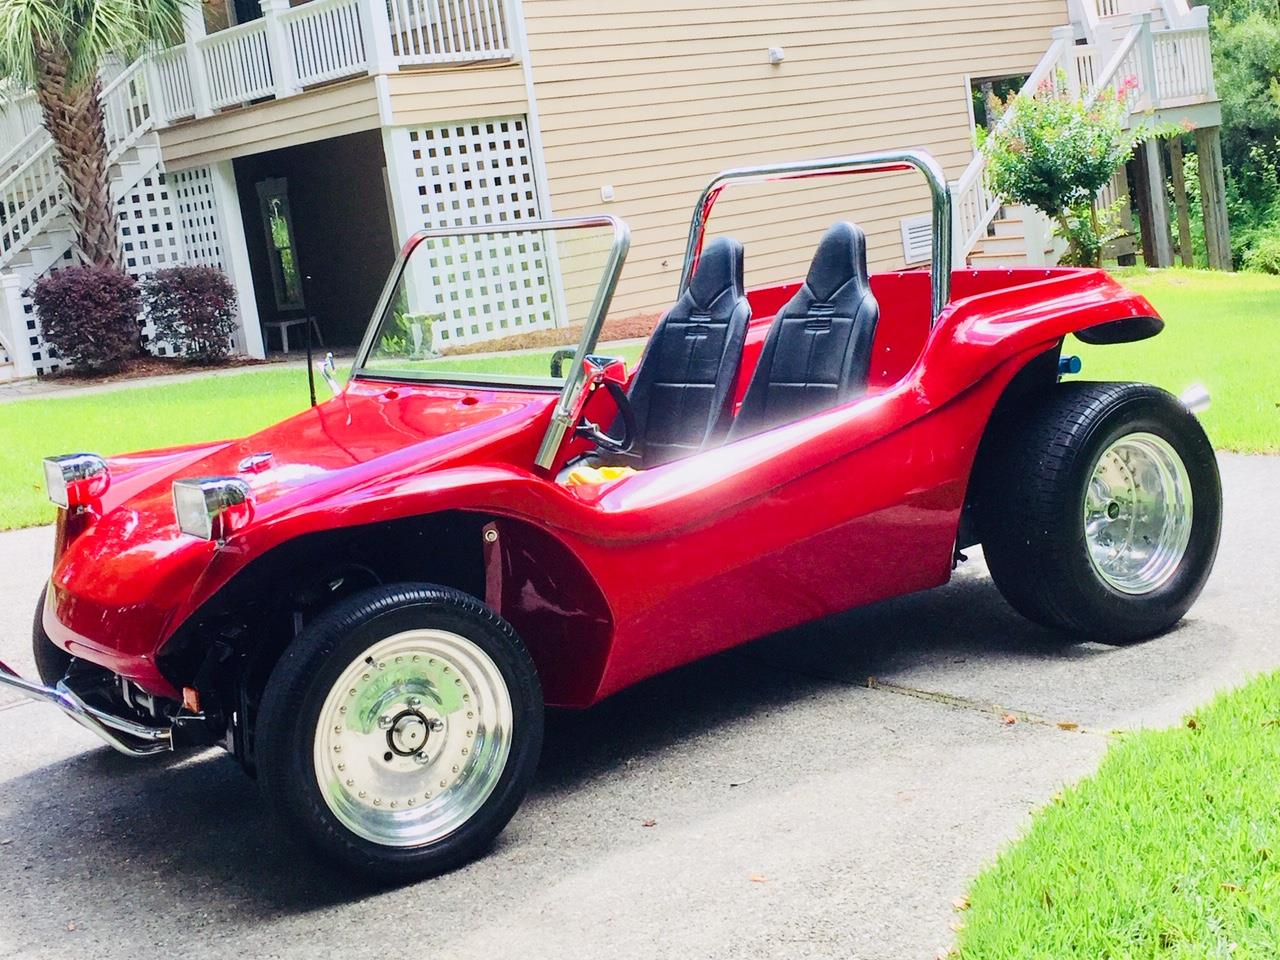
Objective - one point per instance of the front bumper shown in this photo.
(128, 736)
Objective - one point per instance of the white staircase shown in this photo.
(1018, 236)
(1163, 45)
(36, 232)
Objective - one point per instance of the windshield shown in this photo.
(518, 305)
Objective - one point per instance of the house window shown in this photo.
(286, 277)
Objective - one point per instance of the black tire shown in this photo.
(1032, 511)
(287, 723)
(51, 661)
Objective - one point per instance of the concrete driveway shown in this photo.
(766, 803)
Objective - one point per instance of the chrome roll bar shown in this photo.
(841, 166)
(127, 736)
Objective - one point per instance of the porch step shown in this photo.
(1009, 258)
(1004, 243)
(1008, 227)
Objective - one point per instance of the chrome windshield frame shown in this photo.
(595, 317)
(887, 162)
(559, 425)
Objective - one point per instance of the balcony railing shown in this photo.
(293, 48)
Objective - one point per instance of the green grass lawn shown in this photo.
(133, 418)
(1171, 850)
(144, 417)
(1224, 331)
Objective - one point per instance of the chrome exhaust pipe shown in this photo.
(127, 736)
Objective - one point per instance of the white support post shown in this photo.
(1067, 37)
(235, 254)
(1146, 49)
(193, 32)
(376, 23)
(13, 325)
(278, 51)
(151, 86)
(395, 147)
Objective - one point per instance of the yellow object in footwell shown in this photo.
(582, 476)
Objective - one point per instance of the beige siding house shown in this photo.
(296, 147)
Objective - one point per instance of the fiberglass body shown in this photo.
(612, 583)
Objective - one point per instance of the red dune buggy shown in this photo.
(370, 603)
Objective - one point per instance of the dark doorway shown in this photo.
(319, 234)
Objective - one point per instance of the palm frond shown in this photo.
(25, 27)
(82, 33)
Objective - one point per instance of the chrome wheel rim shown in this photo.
(413, 738)
(1137, 513)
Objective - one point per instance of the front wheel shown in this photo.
(1101, 514)
(401, 730)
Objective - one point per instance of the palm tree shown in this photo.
(57, 47)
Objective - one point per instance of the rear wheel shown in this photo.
(401, 730)
(1102, 512)
(51, 662)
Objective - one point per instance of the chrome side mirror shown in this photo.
(327, 369)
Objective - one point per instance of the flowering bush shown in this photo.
(193, 308)
(1055, 152)
(89, 315)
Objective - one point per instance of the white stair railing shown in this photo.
(23, 149)
(34, 193)
(1148, 69)
(30, 197)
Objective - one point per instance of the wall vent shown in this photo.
(917, 239)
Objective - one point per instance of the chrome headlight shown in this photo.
(212, 508)
(76, 479)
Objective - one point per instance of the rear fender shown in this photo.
(976, 334)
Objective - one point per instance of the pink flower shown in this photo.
(1128, 83)
(1187, 125)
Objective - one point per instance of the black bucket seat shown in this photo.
(682, 393)
(818, 352)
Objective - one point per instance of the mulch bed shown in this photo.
(140, 367)
(622, 328)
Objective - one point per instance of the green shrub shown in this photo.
(1055, 152)
(1263, 256)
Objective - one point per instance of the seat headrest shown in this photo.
(841, 257)
(719, 271)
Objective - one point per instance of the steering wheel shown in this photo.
(592, 431)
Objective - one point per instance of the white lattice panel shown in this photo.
(165, 220)
(470, 175)
(198, 216)
(44, 357)
(150, 238)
